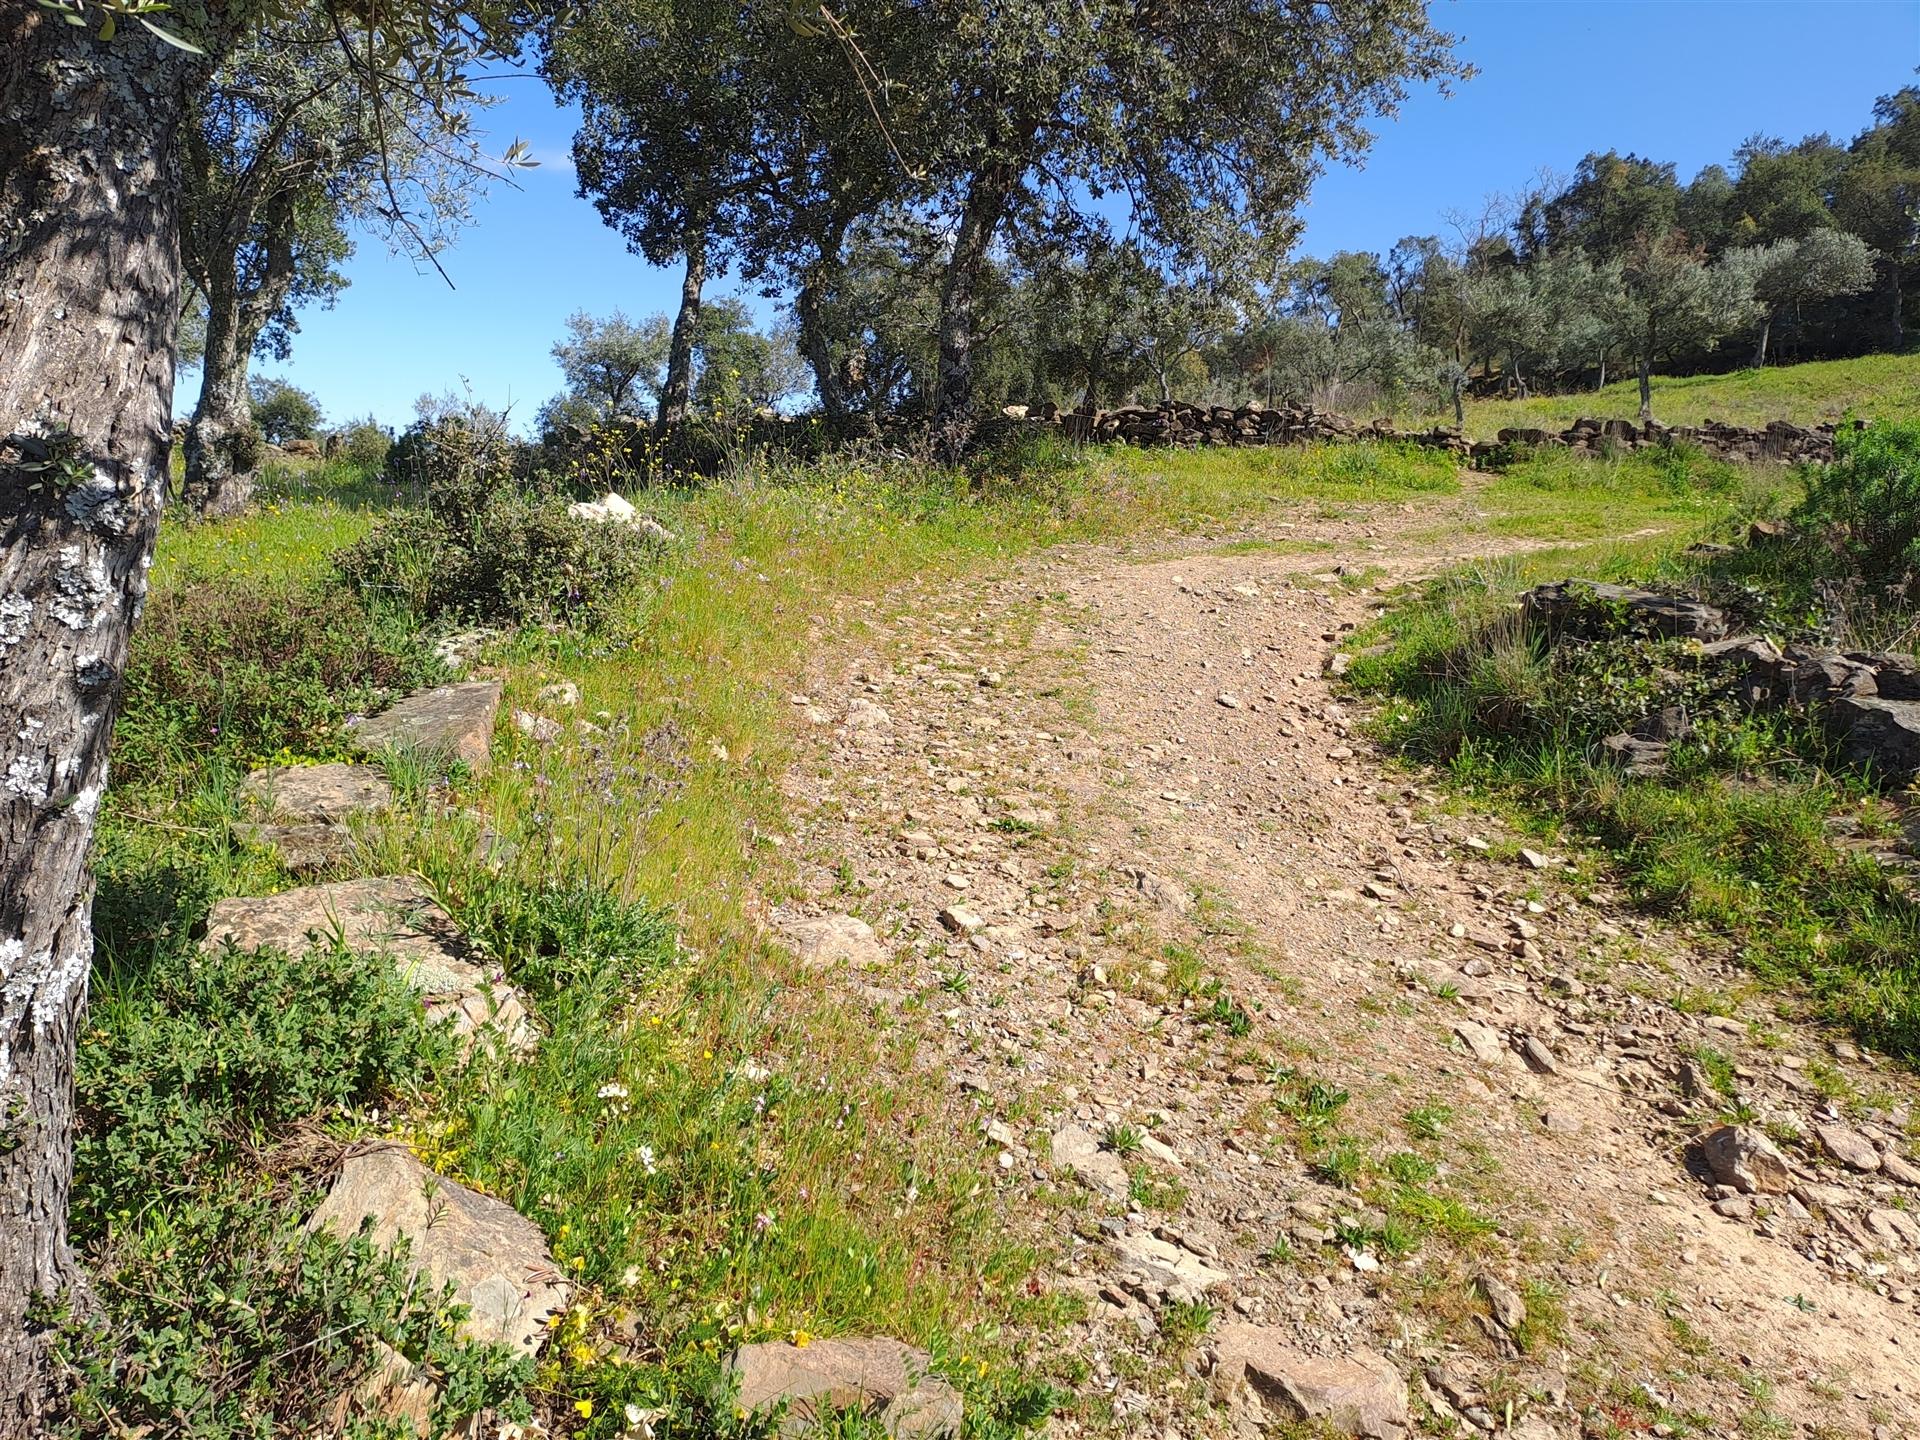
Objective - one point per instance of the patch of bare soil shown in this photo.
(1155, 905)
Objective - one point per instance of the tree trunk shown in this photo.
(1760, 350)
(89, 299)
(817, 349)
(676, 398)
(987, 197)
(1646, 378)
(222, 447)
(1459, 402)
(1603, 371)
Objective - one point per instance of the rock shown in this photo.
(1743, 1157)
(865, 715)
(1638, 757)
(961, 920)
(392, 915)
(538, 728)
(1101, 1171)
(1768, 532)
(886, 1381)
(1540, 1059)
(1899, 1169)
(1358, 1393)
(457, 651)
(1509, 1309)
(1878, 734)
(1848, 1146)
(1894, 1229)
(307, 809)
(495, 1259)
(1483, 1042)
(1162, 1266)
(612, 509)
(1566, 602)
(1169, 895)
(328, 793)
(1895, 676)
(825, 940)
(453, 722)
(562, 692)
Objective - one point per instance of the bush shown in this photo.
(1867, 503)
(364, 444)
(250, 669)
(515, 558)
(283, 412)
(202, 1058)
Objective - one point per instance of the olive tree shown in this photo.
(282, 153)
(94, 95)
(1788, 274)
(1671, 298)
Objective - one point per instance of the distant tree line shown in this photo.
(1789, 252)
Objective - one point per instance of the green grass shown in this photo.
(1871, 386)
(1734, 839)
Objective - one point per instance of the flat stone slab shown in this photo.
(495, 1259)
(883, 1379)
(393, 915)
(1101, 1171)
(1159, 1265)
(825, 940)
(1358, 1393)
(307, 809)
(454, 722)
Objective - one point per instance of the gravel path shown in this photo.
(1155, 903)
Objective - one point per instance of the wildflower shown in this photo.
(584, 1408)
(630, 1276)
(645, 1155)
(612, 1090)
(801, 1339)
(763, 1222)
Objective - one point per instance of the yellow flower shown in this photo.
(801, 1339)
(585, 1408)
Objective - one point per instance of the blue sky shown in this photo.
(1679, 80)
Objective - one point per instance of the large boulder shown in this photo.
(391, 915)
(1358, 1393)
(884, 1380)
(448, 722)
(495, 1259)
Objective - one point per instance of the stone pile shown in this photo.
(1870, 702)
(1176, 422)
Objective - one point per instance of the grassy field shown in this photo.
(1870, 387)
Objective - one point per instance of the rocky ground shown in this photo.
(1327, 1095)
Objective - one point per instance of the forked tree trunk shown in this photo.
(676, 397)
(953, 415)
(89, 298)
(221, 447)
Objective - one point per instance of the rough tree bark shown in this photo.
(836, 405)
(89, 298)
(220, 442)
(980, 216)
(222, 446)
(676, 397)
(1760, 350)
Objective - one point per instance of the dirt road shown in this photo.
(1252, 1019)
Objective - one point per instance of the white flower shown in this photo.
(613, 1091)
(645, 1155)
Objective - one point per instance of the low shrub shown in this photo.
(247, 669)
(1866, 504)
(205, 1057)
(515, 559)
(363, 443)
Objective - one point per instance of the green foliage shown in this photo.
(1867, 503)
(516, 558)
(224, 1319)
(364, 444)
(486, 546)
(283, 411)
(202, 1056)
(244, 670)
(563, 933)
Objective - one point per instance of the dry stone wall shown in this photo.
(1178, 423)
